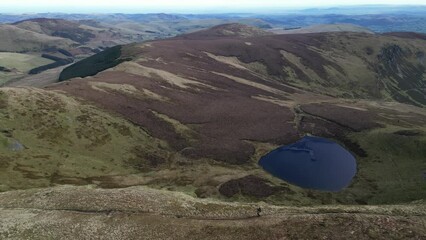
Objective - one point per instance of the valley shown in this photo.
(155, 132)
(221, 88)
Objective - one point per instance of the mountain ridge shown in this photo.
(312, 61)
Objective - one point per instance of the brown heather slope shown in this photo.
(182, 120)
(350, 65)
(221, 103)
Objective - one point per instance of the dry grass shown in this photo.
(85, 212)
(172, 79)
(252, 84)
(127, 89)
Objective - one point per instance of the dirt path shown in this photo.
(85, 212)
(69, 224)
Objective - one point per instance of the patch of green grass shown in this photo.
(19, 64)
(22, 62)
(64, 140)
(6, 77)
(395, 165)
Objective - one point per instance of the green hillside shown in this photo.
(47, 138)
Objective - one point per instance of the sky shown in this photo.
(177, 6)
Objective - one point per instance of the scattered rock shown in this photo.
(16, 146)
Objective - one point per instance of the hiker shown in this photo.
(259, 210)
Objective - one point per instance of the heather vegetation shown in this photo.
(162, 139)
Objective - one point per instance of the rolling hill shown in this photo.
(64, 41)
(79, 36)
(91, 36)
(15, 39)
(255, 93)
(56, 41)
(58, 28)
(158, 135)
(227, 30)
(349, 65)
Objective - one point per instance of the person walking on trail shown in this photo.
(259, 210)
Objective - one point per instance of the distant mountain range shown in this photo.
(378, 18)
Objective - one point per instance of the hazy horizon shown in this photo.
(186, 6)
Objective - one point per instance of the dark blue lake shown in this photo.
(312, 162)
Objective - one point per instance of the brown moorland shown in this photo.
(170, 137)
(212, 88)
(232, 98)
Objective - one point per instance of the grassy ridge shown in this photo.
(69, 212)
